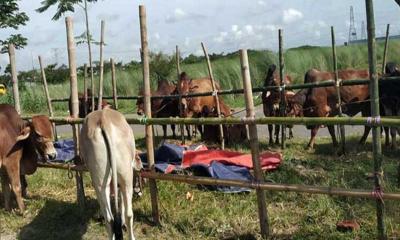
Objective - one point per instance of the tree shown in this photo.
(11, 17)
(64, 6)
(161, 65)
(397, 1)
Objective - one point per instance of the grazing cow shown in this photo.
(193, 107)
(389, 95)
(161, 108)
(322, 102)
(108, 149)
(271, 101)
(87, 104)
(22, 145)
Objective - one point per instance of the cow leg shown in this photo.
(188, 132)
(24, 186)
(277, 129)
(173, 131)
(331, 130)
(13, 176)
(6, 188)
(387, 139)
(314, 132)
(164, 128)
(127, 191)
(270, 130)
(367, 129)
(393, 131)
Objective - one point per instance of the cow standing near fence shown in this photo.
(22, 145)
(161, 108)
(108, 148)
(271, 101)
(322, 101)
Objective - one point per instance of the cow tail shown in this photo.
(117, 223)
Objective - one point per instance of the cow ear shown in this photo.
(24, 134)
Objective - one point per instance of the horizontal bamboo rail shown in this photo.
(387, 122)
(239, 183)
(327, 83)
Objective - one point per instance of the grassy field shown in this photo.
(53, 214)
(226, 70)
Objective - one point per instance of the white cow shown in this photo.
(108, 148)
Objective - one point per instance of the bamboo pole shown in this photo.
(282, 104)
(101, 67)
(326, 83)
(339, 98)
(178, 71)
(376, 137)
(147, 102)
(14, 77)
(88, 38)
(114, 84)
(46, 91)
(74, 104)
(385, 49)
(357, 193)
(262, 207)
(217, 104)
(85, 95)
(329, 121)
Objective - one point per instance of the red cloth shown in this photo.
(268, 160)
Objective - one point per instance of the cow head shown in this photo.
(40, 132)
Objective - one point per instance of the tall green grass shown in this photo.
(226, 72)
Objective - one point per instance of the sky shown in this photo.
(222, 25)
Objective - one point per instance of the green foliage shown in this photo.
(81, 39)
(11, 17)
(56, 75)
(161, 66)
(63, 6)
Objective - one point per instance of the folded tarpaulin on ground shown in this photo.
(65, 150)
(219, 164)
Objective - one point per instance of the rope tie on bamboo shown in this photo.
(377, 193)
(282, 88)
(214, 93)
(143, 120)
(374, 120)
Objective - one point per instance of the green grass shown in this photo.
(53, 214)
(226, 71)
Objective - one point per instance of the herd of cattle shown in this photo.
(107, 141)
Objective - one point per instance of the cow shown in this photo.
(161, 108)
(108, 148)
(272, 99)
(193, 106)
(322, 101)
(389, 95)
(87, 105)
(22, 145)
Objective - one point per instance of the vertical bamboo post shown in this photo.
(385, 49)
(85, 95)
(248, 94)
(101, 67)
(282, 90)
(75, 104)
(216, 98)
(339, 99)
(178, 71)
(11, 53)
(114, 84)
(376, 137)
(46, 91)
(147, 103)
(89, 39)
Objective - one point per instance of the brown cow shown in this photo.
(22, 145)
(87, 104)
(193, 107)
(322, 102)
(161, 108)
(271, 100)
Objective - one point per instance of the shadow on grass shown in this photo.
(60, 220)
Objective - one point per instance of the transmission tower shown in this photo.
(352, 28)
(363, 33)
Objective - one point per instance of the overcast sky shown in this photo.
(223, 25)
